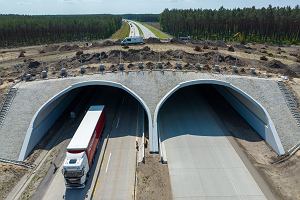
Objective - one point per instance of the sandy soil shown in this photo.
(56, 56)
(9, 176)
(153, 181)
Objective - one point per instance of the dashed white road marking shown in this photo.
(108, 162)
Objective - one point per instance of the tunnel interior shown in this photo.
(55, 118)
(211, 110)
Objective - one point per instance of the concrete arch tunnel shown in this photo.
(48, 113)
(251, 110)
(247, 107)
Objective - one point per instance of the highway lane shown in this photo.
(134, 31)
(202, 162)
(117, 175)
(56, 188)
(146, 32)
(117, 172)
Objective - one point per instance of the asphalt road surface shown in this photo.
(202, 162)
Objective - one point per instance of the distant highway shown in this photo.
(146, 32)
(134, 31)
(202, 163)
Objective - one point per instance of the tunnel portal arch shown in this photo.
(247, 106)
(35, 133)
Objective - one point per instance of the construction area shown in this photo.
(146, 138)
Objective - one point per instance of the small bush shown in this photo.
(205, 46)
(264, 58)
(230, 48)
(197, 48)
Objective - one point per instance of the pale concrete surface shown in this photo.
(134, 31)
(202, 163)
(117, 176)
(151, 87)
(117, 172)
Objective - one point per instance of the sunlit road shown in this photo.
(117, 173)
(134, 31)
(202, 162)
(146, 32)
(117, 176)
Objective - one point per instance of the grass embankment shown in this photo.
(122, 33)
(157, 33)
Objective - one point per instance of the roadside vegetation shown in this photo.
(157, 33)
(271, 25)
(17, 30)
(122, 33)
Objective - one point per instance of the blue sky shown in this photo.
(34, 7)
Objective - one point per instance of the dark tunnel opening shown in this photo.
(78, 101)
(198, 110)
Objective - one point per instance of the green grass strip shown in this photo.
(140, 30)
(122, 33)
(157, 33)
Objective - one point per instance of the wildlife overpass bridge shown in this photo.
(38, 104)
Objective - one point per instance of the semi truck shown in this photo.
(82, 148)
(132, 40)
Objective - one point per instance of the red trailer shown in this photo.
(82, 148)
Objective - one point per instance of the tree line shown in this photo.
(142, 17)
(271, 24)
(18, 30)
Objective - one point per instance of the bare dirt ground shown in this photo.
(153, 181)
(9, 176)
(268, 60)
(282, 178)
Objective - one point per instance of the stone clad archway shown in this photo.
(251, 110)
(48, 113)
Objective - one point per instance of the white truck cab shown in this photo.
(132, 40)
(75, 169)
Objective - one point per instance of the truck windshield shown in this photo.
(73, 174)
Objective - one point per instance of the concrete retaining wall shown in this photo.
(254, 115)
(45, 119)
